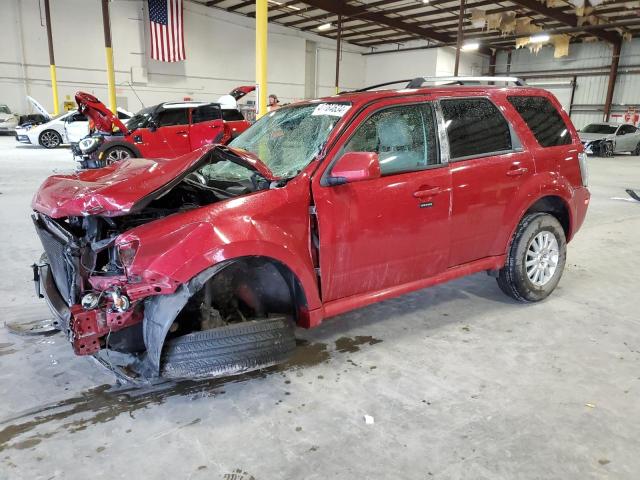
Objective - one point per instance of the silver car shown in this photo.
(8, 120)
(605, 139)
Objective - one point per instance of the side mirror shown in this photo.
(152, 126)
(354, 167)
(621, 132)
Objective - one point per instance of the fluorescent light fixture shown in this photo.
(471, 46)
(425, 1)
(293, 8)
(541, 38)
(326, 26)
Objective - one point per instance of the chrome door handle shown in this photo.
(427, 192)
(514, 172)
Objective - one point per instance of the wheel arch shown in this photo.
(556, 206)
(120, 143)
(160, 312)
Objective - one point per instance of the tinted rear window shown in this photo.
(475, 127)
(206, 113)
(543, 119)
(232, 115)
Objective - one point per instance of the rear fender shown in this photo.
(547, 184)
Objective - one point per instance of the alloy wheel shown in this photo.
(541, 258)
(117, 154)
(50, 139)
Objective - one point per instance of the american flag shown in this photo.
(167, 30)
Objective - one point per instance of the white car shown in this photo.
(8, 121)
(70, 127)
(605, 139)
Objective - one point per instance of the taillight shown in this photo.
(584, 169)
(127, 252)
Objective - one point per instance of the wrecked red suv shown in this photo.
(166, 130)
(201, 265)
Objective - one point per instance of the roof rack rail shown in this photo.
(457, 80)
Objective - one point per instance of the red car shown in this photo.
(201, 265)
(166, 130)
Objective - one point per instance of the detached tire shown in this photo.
(535, 260)
(229, 350)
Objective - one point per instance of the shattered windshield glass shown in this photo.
(286, 140)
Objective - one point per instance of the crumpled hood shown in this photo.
(123, 187)
(589, 137)
(114, 190)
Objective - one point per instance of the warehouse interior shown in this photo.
(441, 376)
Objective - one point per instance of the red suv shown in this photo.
(167, 130)
(201, 265)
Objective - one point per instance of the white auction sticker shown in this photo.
(335, 109)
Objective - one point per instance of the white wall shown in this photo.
(391, 66)
(590, 90)
(220, 51)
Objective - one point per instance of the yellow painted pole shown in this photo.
(52, 60)
(111, 75)
(262, 13)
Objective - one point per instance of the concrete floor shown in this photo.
(462, 382)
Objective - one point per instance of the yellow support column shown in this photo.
(52, 60)
(111, 75)
(262, 13)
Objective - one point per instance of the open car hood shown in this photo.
(103, 118)
(127, 186)
(240, 92)
(39, 108)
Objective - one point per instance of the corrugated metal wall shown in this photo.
(590, 91)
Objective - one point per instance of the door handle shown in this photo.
(181, 132)
(427, 192)
(514, 172)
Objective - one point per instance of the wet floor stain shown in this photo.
(352, 345)
(104, 403)
(5, 349)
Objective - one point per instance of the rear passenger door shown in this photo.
(626, 139)
(488, 166)
(207, 125)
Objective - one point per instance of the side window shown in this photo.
(628, 129)
(475, 127)
(123, 116)
(404, 137)
(206, 113)
(172, 116)
(232, 115)
(543, 120)
(78, 117)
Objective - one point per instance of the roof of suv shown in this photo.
(447, 87)
(187, 104)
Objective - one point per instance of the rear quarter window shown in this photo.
(232, 115)
(543, 119)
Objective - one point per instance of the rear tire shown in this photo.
(532, 270)
(229, 350)
(50, 139)
(637, 150)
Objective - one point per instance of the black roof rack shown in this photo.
(418, 82)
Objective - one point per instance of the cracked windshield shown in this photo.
(285, 140)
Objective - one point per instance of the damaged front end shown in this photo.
(84, 223)
(83, 279)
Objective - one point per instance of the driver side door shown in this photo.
(392, 230)
(626, 138)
